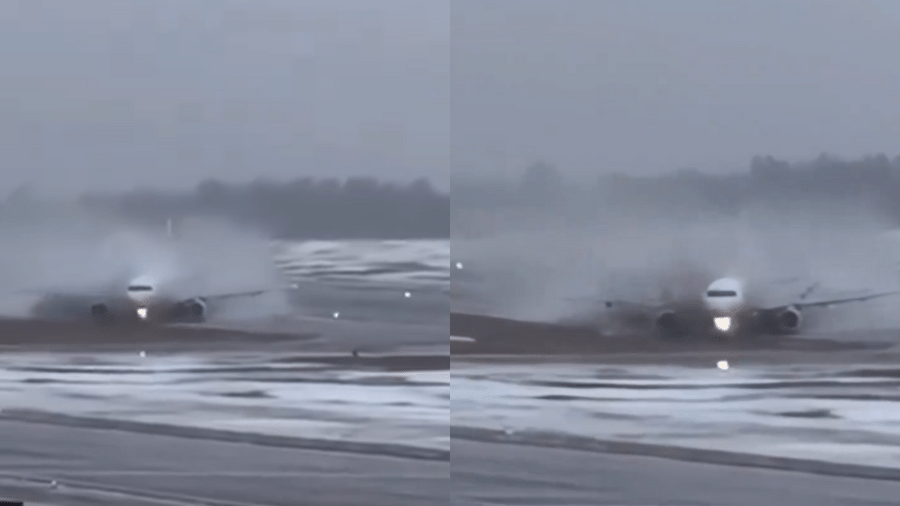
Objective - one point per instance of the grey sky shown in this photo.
(113, 93)
(650, 85)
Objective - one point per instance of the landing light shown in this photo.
(722, 365)
(722, 323)
(142, 313)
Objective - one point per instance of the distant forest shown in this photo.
(826, 182)
(355, 208)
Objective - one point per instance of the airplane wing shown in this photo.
(67, 292)
(624, 305)
(246, 293)
(806, 303)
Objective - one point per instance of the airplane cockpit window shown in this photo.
(721, 293)
(140, 288)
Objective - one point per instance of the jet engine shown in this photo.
(787, 320)
(192, 310)
(100, 313)
(667, 322)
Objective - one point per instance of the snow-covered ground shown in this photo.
(234, 392)
(844, 414)
(253, 393)
(413, 263)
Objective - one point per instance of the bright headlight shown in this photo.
(722, 323)
(142, 313)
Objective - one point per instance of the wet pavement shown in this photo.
(521, 475)
(64, 465)
(150, 415)
(372, 399)
(300, 404)
(338, 395)
(835, 407)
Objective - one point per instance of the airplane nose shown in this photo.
(722, 307)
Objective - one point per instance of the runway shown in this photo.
(764, 430)
(342, 400)
(487, 474)
(60, 465)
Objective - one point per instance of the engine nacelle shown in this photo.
(788, 320)
(100, 313)
(667, 322)
(193, 310)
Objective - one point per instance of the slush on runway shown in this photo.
(264, 410)
(588, 402)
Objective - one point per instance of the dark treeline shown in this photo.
(355, 208)
(873, 181)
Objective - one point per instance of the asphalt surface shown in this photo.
(499, 474)
(47, 464)
(283, 333)
(109, 462)
(56, 465)
(532, 469)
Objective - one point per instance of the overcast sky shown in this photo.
(115, 93)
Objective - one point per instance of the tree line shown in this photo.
(305, 208)
(871, 181)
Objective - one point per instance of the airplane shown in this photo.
(139, 298)
(143, 298)
(727, 309)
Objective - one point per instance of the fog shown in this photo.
(301, 208)
(63, 248)
(543, 261)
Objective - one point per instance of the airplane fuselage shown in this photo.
(728, 310)
(145, 300)
(726, 304)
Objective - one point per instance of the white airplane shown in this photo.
(141, 298)
(728, 309)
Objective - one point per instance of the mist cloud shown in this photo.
(537, 247)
